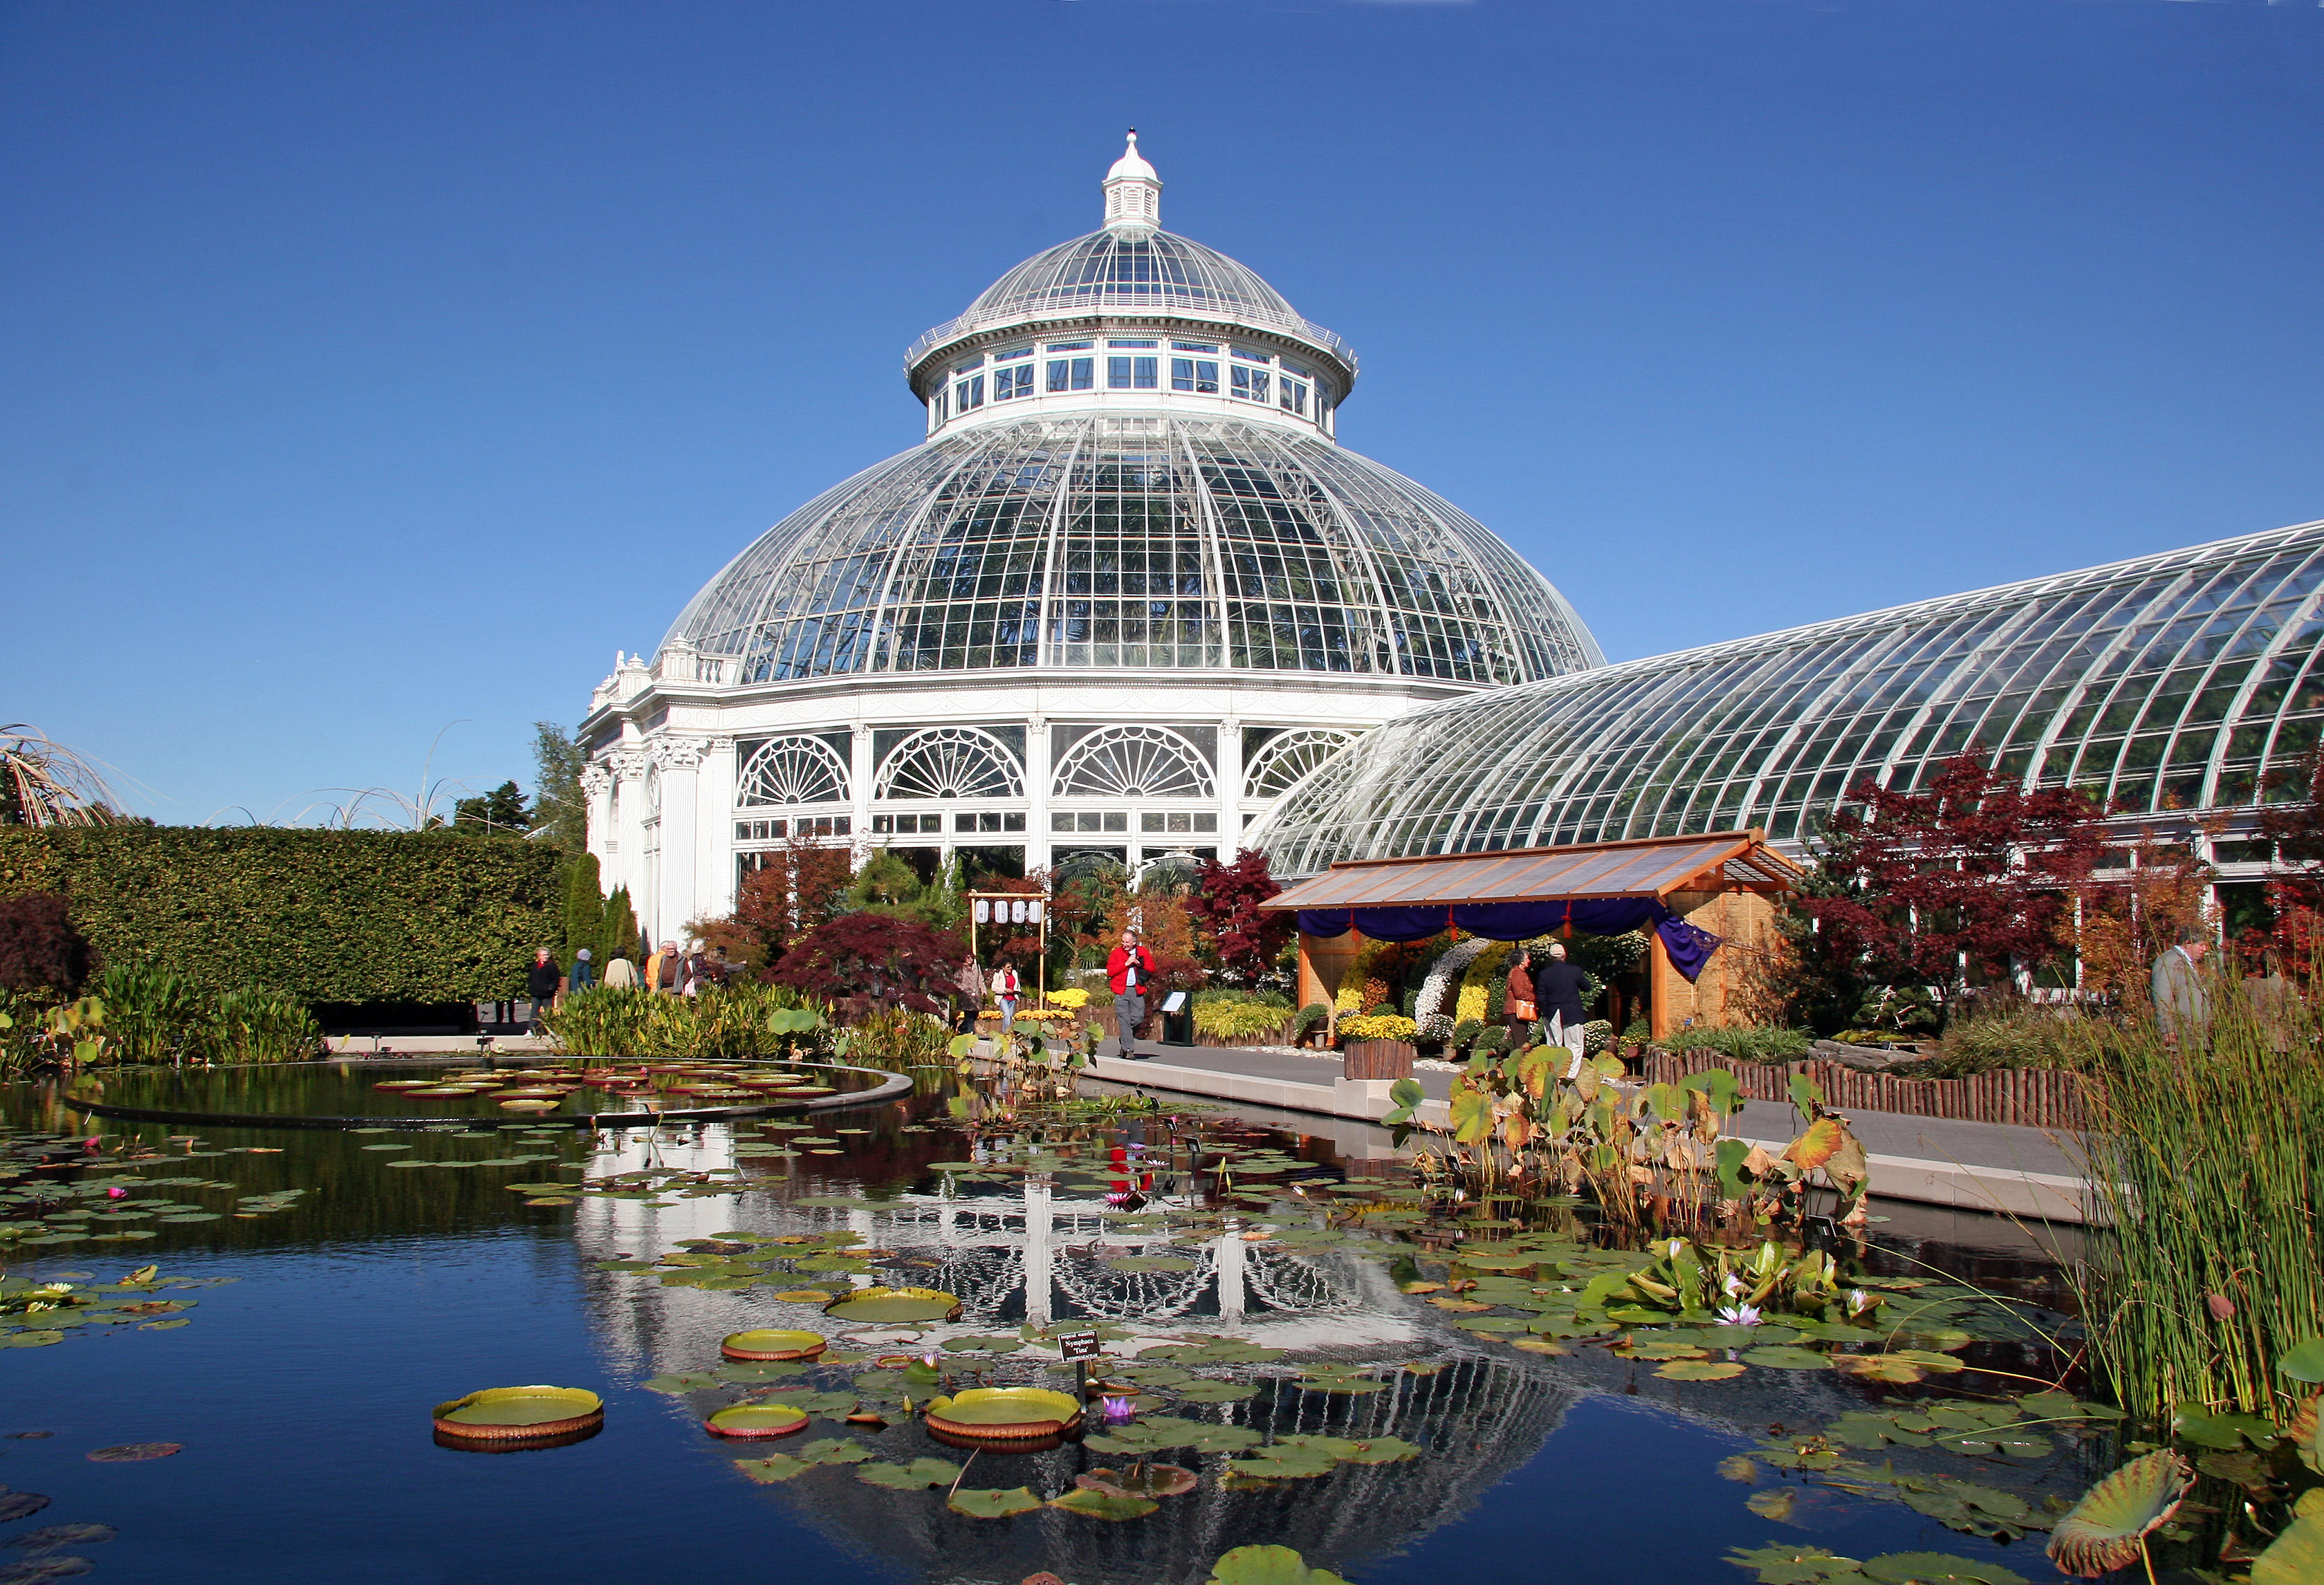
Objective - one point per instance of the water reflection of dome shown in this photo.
(1035, 1254)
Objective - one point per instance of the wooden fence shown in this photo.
(2038, 1099)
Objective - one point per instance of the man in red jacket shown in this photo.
(1127, 970)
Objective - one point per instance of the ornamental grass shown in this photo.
(2208, 1162)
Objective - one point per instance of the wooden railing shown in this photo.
(2029, 1097)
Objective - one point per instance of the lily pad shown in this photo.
(992, 1503)
(1214, 1392)
(134, 1452)
(1096, 1505)
(1699, 1371)
(894, 1306)
(1268, 1565)
(1936, 1568)
(769, 1470)
(18, 1505)
(757, 1420)
(917, 1476)
(2108, 1529)
(1787, 1359)
(49, 1537)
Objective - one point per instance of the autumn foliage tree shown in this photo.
(1226, 899)
(800, 885)
(866, 962)
(1967, 877)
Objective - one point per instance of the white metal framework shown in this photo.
(795, 769)
(1133, 762)
(2170, 685)
(1288, 759)
(950, 763)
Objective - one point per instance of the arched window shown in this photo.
(950, 763)
(792, 771)
(1133, 762)
(1285, 759)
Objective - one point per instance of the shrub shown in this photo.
(319, 916)
(866, 960)
(1467, 1030)
(39, 949)
(1746, 1044)
(1311, 1017)
(1376, 1027)
(735, 1020)
(2011, 1037)
(1239, 1018)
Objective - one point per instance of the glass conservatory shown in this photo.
(2169, 684)
(1127, 592)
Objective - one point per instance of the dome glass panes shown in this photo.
(2174, 682)
(1134, 543)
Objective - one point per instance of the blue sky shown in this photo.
(372, 368)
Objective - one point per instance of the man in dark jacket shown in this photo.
(1558, 987)
(542, 982)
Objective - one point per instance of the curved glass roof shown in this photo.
(1133, 543)
(1142, 272)
(2171, 682)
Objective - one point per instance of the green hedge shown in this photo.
(322, 916)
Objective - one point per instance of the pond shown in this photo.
(1300, 1335)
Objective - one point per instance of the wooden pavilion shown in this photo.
(1706, 902)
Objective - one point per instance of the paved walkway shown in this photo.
(1980, 1166)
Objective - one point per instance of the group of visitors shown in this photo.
(1548, 996)
(667, 970)
(1129, 971)
(1004, 985)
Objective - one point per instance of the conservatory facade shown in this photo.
(2166, 687)
(1127, 591)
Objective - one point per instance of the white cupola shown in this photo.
(1133, 193)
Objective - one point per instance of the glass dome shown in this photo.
(1134, 543)
(1115, 271)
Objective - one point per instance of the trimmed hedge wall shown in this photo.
(322, 916)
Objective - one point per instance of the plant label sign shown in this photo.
(1078, 1345)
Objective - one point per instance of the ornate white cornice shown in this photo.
(596, 779)
(675, 753)
(629, 764)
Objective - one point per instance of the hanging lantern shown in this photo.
(1016, 913)
(1033, 911)
(983, 911)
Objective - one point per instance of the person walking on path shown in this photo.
(581, 976)
(2181, 1006)
(1006, 990)
(1518, 1004)
(542, 982)
(970, 982)
(1557, 988)
(620, 974)
(666, 971)
(1129, 968)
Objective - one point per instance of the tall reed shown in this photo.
(2210, 1162)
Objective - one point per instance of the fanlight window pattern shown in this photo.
(1124, 542)
(793, 771)
(1289, 758)
(950, 763)
(1133, 762)
(2174, 682)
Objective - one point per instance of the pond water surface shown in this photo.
(362, 1277)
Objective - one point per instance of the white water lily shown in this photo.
(1738, 1315)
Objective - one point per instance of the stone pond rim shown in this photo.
(890, 1086)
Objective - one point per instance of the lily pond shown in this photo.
(224, 1346)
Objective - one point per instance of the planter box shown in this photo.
(1378, 1059)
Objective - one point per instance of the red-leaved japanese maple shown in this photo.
(1964, 877)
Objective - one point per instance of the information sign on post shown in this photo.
(1081, 1348)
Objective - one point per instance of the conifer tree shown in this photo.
(584, 906)
(620, 937)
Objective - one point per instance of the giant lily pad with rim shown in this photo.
(2108, 1529)
(773, 1342)
(757, 1420)
(510, 1414)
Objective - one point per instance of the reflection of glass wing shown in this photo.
(1287, 758)
(1133, 761)
(793, 771)
(950, 763)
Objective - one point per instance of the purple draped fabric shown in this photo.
(1689, 946)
